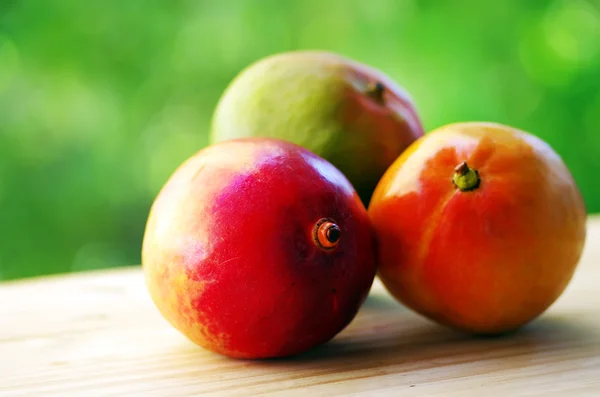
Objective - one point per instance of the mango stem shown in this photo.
(466, 178)
(376, 91)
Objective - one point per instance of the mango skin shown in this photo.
(485, 261)
(319, 100)
(229, 256)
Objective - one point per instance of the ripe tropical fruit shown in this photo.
(480, 227)
(258, 248)
(351, 114)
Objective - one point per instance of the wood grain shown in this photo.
(98, 333)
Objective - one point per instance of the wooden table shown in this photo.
(98, 333)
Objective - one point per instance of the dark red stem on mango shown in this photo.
(376, 92)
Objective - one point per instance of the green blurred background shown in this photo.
(100, 101)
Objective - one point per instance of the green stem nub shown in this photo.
(376, 91)
(466, 178)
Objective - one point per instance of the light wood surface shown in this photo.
(98, 333)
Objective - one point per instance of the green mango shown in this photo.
(349, 113)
